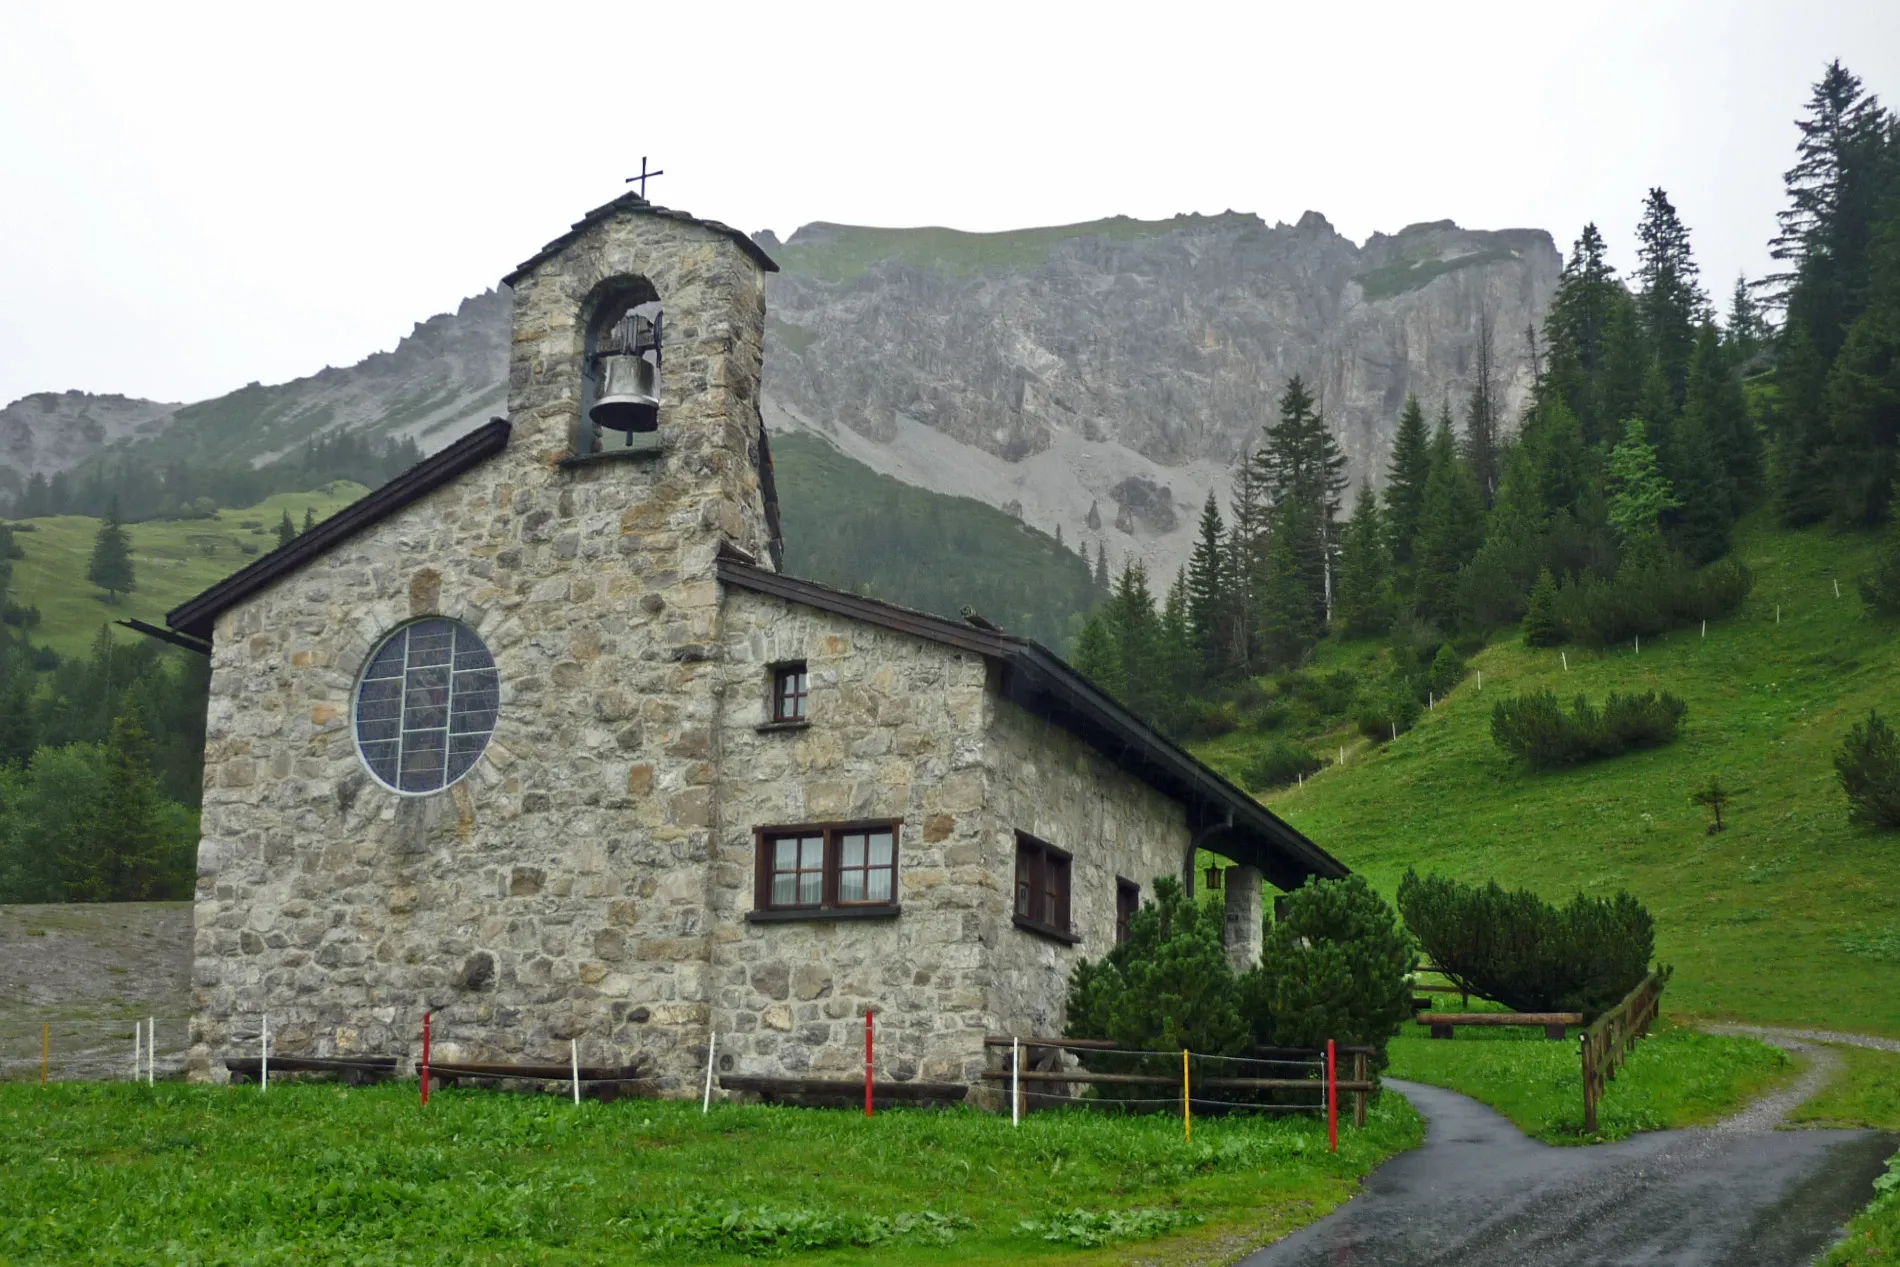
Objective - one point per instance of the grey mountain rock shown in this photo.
(1100, 377)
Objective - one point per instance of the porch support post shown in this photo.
(1243, 933)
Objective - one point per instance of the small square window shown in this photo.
(1042, 887)
(1127, 902)
(790, 689)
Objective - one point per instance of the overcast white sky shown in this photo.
(196, 196)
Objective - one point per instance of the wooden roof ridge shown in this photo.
(196, 617)
(632, 202)
(1043, 683)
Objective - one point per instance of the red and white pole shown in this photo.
(1332, 1095)
(868, 1014)
(425, 1058)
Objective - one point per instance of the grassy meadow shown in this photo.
(173, 560)
(1790, 916)
(121, 1174)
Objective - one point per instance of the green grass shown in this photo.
(1864, 1092)
(1675, 1077)
(117, 1174)
(1874, 1235)
(172, 561)
(1785, 917)
(1402, 275)
(836, 252)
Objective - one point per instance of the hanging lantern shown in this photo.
(1213, 877)
(628, 381)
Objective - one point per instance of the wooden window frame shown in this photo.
(775, 716)
(829, 905)
(1127, 902)
(1037, 863)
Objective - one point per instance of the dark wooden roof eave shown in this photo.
(635, 203)
(197, 617)
(1041, 682)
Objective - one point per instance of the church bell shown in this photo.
(628, 382)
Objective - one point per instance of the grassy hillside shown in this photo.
(837, 252)
(173, 560)
(848, 526)
(1791, 916)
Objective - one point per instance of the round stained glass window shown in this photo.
(425, 708)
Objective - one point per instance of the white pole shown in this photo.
(712, 1044)
(263, 1063)
(151, 1051)
(1777, 613)
(1705, 629)
(1395, 730)
(1566, 656)
(1431, 701)
(1481, 679)
(1639, 644)
(1342, 756)
(136, 1057)
(1837, 587)
(1015, 1082)
(574, 1061)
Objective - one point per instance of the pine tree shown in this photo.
(1290, 620)
(1746, 331)
(310, 521)
(1405, 488)
(1669, 298)
(1365, 575)
(1135, 637)
(1095, 656)
(1578, 329)
(1481, 444)
(130, 841)
(1639, 494)
(1301, 463)
(1800, 472)
(18, 726)
(1451, 528)
(1206, 596)
(1179, 663)
(286, 531)
(111, 565)
(1101, 567)
(1243, 567)
(1541, 627)
(1715, 402)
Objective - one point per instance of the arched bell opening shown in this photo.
(620, 369)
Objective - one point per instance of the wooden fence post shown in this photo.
(1360, 1072)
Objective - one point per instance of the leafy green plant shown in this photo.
(1513, 947)
(1337, 964)
(1537, 729)
(1385, 714)
(1713, 797)
(769, 1232)
(1869, 768)
(1280, 763)
(1092, 1229)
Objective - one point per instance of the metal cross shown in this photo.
(644, 176)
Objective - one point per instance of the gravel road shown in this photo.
(1481, 1194)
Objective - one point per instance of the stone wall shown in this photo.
(1045, 781)
(895, 731)
(560, 891)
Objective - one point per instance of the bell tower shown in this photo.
(634, 370)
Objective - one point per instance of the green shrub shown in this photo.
(1513, 947)
(1536, 728)
(1869, 768)
(1280, 763)
(1093, 1229)
(1649, 596)
(1880, 588)
(1380, 715)
(1541, 627)
(768, 1232)
(1448, 669)
(1337, 965)
(1205, 719)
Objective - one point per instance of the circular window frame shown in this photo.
(356, 702)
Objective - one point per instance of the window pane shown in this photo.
(785, 853)
(880, 849)
(784, 888)
(425, 682)
(851, 850)
(879, 888)
(809, 887)
(811, 851)
(851, 886)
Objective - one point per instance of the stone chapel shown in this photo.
(539, 738)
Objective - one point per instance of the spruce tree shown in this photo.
(1101, 567)
(1451, 529)
(1669, 297)
(1481, 443)
(1301, 463)
(1799, 467)
(1639, 493)
(310, 521)
(1205, 590)
(1746, 331)
(1135, 637)
(111, 565)
(130, 841)
(1405, 487)
(1095, 655)
(1577, 331)
(286, 531)
(1365, 575)
(1714, 401)
(18, 725)
(1243, 566)
(1541, 627)
(1290, 620)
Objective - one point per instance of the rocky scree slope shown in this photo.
(1100, 377)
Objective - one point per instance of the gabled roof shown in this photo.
(635, 203)
(1040, 681)
(196, 617)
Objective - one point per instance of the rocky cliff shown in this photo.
(1098, 377)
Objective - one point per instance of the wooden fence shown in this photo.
(1612, 1035)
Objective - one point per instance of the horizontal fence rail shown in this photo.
(1611, 1037)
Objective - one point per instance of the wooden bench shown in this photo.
(1554, 1023)
(355, 1070)
(842, 1092)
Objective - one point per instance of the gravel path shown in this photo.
(1481, 1194)
(1774, 1034)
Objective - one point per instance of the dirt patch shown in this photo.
(88, 973)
